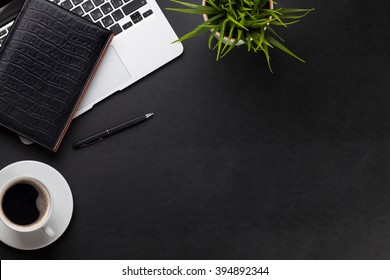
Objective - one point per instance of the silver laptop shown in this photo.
(142, 43)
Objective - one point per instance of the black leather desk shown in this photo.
(239, 163)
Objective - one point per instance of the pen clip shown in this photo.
(90, 143)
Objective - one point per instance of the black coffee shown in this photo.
(20, 204)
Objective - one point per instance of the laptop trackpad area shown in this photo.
(111, 76)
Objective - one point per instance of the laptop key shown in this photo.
(67, 5)
(76, 2)
(78, 11)
(135, 15)
(87, 17)
(116, 3)
(127, 25)
(147, 13)
(3, 32)
(116, 29)
(98, 2)
(106, 8)
(107, 21)
(96, 14)
(132, 6)
(138, 19)
(117, 15)
(87, 6)
(99, 23)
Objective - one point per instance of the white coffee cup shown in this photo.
(26, 205)
(47, 198)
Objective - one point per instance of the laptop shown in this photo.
(142, 43)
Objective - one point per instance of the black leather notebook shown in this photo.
(46, 65)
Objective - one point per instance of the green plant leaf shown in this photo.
(200, 11)
(274, 32)
(236, 22)
(220, 40)
(190, 5)
(231, 47)
(248, 2)
(280, 46)
(228, 39)
(248, 41)
(211, 2)
(275, 16)
(260, 40)
(214, 18)
(285, 24)
(209, 26)
(198, 30)
(267, 57)
(239, 34)
(287, 10)
(211, 37)
(286, 16)
(263, 3)
(194, 9)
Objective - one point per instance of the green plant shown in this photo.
(247, 21)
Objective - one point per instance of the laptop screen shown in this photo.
(9, 10)
(5, 2)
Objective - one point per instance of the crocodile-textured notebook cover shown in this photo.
(46, 65)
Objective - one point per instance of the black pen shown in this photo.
(101, 135)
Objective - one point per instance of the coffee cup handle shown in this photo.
(49, 231)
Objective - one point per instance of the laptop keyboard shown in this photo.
(116, 15)
(3, 33)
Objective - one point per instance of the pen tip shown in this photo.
(149, 115)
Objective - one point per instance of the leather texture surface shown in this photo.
(45, 68)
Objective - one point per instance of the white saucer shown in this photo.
(62, 209)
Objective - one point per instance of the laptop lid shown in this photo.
(143, 42)
(9, 10)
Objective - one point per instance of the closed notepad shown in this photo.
(46, 65)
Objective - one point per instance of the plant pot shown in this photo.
(225, 39)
